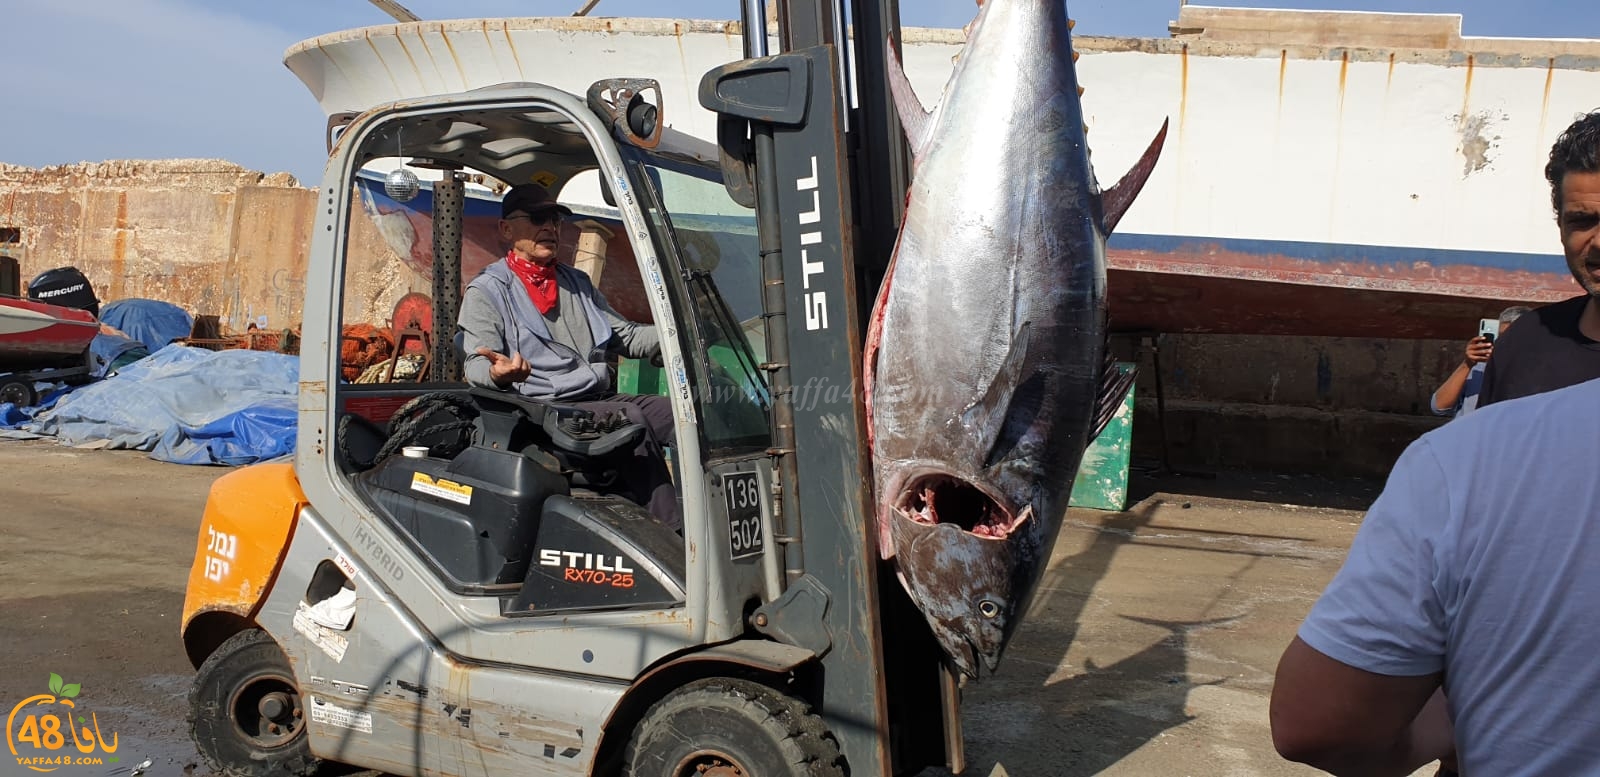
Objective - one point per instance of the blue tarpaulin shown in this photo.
(186, 405)
(152, 322)
(13, 417)
(108, 348)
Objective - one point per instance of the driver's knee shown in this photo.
(655, 412)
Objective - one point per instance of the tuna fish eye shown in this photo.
(989, 608)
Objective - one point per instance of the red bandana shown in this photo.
(539, 279)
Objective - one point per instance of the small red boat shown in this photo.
(36, 335)
(39, 341)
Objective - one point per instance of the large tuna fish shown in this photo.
(986, 363)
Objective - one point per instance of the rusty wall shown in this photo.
(207, 235)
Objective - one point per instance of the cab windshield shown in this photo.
(716, 240)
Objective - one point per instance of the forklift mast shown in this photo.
(828, 180)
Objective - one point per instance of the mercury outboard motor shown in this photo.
(64, 286)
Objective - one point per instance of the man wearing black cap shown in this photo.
(533, 325)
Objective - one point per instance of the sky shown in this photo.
(94, 80)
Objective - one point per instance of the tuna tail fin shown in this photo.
(1115, 201)
(913, 117)
(1114, 387)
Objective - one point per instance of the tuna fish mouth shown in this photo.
(940, 498)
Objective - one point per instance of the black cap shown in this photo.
(530, 198)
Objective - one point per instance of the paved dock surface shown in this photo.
(1149, 651)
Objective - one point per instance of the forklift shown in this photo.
(445, 581)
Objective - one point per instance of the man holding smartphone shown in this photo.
(1458, 395)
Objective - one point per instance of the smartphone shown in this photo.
(1488, 328)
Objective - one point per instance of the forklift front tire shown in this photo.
(731, 728)
(246, 714)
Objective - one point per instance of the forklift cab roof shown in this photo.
(493, 130)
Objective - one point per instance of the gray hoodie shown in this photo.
(567, 349)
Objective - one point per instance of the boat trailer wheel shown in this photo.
(18, 392)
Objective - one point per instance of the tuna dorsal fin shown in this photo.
(1113, 387)
(913, 117)
(1009, 394)
(1115, 201)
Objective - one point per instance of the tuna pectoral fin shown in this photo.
(1115, 201)
(986, 418)
(913, 117)
(1113, 388)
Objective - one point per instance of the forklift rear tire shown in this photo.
(246, 713)
(726, 727)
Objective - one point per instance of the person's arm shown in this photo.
(1447, 398)
(1345, 720)
(1352, 690)
(486, 355)
(635, 340)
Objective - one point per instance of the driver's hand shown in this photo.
(506, 370)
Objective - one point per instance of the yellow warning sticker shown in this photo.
(444, 489)
(544, 178)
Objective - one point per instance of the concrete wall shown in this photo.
(207, 235)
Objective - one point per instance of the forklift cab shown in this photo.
(492, 478)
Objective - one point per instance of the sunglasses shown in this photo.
(542, 218)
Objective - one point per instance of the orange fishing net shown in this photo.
(362, 346)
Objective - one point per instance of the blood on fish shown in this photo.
(943, 499)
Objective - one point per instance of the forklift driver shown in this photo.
(533, 325)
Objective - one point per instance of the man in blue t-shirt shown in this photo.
(1462, 626)
(1472, 575)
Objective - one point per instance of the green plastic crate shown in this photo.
(1102, 481)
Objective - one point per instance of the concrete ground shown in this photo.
(1150, 650)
